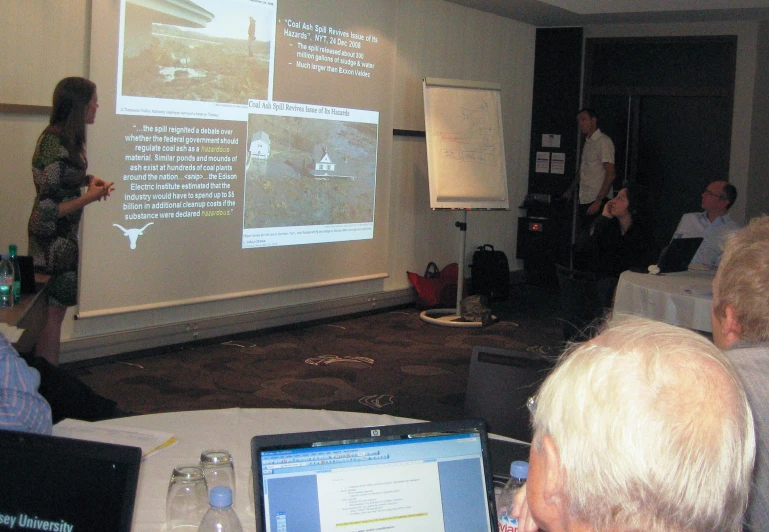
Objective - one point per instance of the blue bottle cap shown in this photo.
(519, 469)
(220, 496)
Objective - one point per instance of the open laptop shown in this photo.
(678, 254)
(422, 476)
(52, 483)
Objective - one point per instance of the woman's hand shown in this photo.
(607, 209)
(521, 512)
(98, 189)
(594, 207)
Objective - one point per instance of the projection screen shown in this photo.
(249, 143)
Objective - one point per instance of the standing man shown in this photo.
(714, 225)
(740, 316)
(596, 169)
(251, 35)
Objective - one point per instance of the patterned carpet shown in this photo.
(391, 362)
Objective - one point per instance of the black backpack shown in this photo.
(490, 273)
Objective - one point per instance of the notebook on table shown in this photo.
(422, 476)
(52, 483)
(678, 254)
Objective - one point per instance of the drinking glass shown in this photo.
(218, 469)
(251, 509)
(187, 498)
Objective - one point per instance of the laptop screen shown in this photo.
(52, 483)
(678, 254)
(426, 476)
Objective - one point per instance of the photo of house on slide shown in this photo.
(304, 171)
(201, 50)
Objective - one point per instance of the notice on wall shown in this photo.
(551, 141)
(557, 162)
(543, 162)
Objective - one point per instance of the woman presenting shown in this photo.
(59, 167)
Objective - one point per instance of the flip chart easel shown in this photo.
(465, 162)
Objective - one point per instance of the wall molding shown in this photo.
(122, 342)
(24, 109)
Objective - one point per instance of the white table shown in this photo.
(682, 298)
(230, 429)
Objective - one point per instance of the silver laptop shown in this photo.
(425, 476)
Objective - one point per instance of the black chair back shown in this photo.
(580, 302)
(500, 382)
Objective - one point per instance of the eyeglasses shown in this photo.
(713, 195)
(531, 404)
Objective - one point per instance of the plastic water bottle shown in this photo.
(220, 517)
(519, 471)
(6, 283)
(16, 274)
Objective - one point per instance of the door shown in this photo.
(667, 104)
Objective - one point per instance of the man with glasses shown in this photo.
(714, 225)
(740, 318)
(645, 427)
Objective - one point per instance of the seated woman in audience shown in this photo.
(619, 240)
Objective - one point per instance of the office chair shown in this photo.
(580, 302)
(499, 383)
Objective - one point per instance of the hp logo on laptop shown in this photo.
(376, 432)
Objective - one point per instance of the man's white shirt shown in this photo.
(598, 149)
(714, 234)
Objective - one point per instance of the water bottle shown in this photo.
(16, 274)
(220, 517)
(6, 283)
(519, 471)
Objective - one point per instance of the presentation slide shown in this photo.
(405, 498)
(245, 140)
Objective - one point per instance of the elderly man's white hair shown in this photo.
(653, 429)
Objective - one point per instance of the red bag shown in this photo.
(436, 288)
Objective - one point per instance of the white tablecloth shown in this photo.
(230, 429)
(682, 298)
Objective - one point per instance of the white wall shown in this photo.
(435, 39)
(444, 40)
(40, 43)
(758, 175)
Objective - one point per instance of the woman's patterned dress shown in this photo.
(53, 241)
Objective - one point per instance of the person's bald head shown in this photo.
(645, 427)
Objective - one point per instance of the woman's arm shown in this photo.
(97, 189)
(596, 254)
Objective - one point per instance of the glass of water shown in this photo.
(218, 469)
(187, 498)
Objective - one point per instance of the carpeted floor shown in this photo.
(391, 362)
